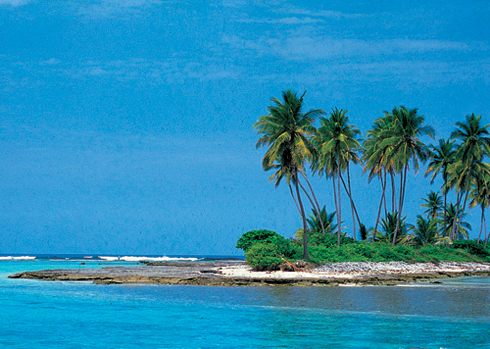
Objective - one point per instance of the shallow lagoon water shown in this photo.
(41, 314)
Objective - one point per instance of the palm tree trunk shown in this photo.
(458, 201)
(316, 201)
(349, 193)
(355, 209)
(462, 211)
(294, 198)
(340, 206)
(403, 182)
(481, 222)
(445, 211)
(393, 192)
(305, 228)
(380, 205)
(336, 208)
(317, 213)
(486, 239)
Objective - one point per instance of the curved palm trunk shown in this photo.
(349, 193)
(445, 211)
(383, 183)
(403, 183)
(453, 226)
(316, 202)
(317, 213)
(462, 211)
(339, 213)
(294, 198)
(481, 222)
(336, 208)
(305, 228)
(393, 192)
(444, 176)
(354, 206)
(486, 239)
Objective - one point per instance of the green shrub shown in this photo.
(327, 240)
(281, 245)
(263, 256)
(472, 247)
(251, 237)
(386, 253)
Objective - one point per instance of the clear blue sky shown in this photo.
(126, 126)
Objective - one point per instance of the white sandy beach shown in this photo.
(358, 269)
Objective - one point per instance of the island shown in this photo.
(237, 273)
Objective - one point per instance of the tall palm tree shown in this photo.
(474, 146)
(337, 146)
(374, 156)
(406, 147)
(442, 157)
(286, 130)
(433, 202)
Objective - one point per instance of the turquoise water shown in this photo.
(40, 314)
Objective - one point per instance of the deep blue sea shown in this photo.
(43, 314)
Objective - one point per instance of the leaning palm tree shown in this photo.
(480, 195)
(337, 146)
(406, 148)
(286, 130)
(433, 203)
(442, 157)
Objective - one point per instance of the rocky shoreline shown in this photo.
(238, 274)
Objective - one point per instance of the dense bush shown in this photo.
(253, 236)
(263, 256)
(264, 249)
(327, 240)
(281, 245)
(471, 246)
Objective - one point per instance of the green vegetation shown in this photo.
(391, 151)
(268, 254)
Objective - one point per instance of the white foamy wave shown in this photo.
(87, 257)
(23, 258)
(157, 259)
(8, 258)
(108, 258)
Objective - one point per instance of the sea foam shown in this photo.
(108, 258)
(157, 259)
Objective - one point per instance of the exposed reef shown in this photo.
(238, 274)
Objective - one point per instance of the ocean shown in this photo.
(43, 314)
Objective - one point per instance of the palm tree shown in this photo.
(426, 232)
(463, 227)
(375, 154)
(433, 204)
(337, 146)
(442, 158)
(286, 131)
(388, 228)
(406, 148)
(315, 226)
(480, 195)
(474, 146)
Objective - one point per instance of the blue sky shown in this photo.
(126, 126)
